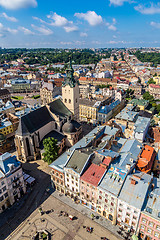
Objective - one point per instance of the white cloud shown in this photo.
(96, 42)
(26, 31)
(43, 30)
(155, 24)
(38, 19)
(83, 34)
(119, 42)
(10, 30)
(65, 43)
(114, 21)
(91, 17)
(17, 4)
(118, 2)
(4, 30)
(111, 26)
(59, 21)
(11, 19)
(71, 28)
(152, 9)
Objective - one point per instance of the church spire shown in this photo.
(69, 80)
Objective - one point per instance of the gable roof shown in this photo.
(33, 121)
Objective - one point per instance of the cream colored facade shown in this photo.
(156, 79)
(70, 97)
(48, 93)
(154, 90)
(46, 96)
(88, 113)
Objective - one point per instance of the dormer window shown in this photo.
(149, 210)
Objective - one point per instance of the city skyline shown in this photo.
(110, 23)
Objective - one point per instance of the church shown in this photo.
(58, 119)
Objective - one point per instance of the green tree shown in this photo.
(158, 108)
(50, 150)
(147, 96)
(150, 81)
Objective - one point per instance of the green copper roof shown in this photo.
(69, 80)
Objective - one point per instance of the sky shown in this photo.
(79, 24)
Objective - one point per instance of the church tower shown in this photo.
(70, 92)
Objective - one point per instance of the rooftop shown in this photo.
(93, 174)
(140, 102)
(87, 102)
(5, 123)
(135, 189)
(127, 114)
(146, 159)
(7, 161)
(77, 161)
(141, 124)
(84, 142)
(152, 204)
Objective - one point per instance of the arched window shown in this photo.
(69, 100)
(65, 100)
(28, 147)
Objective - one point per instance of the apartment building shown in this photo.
(12, 185)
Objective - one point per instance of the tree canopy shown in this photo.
(153, 57)
(46, 56)
(50, 150)
(147, 96)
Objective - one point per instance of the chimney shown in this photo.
(133, 182)
(152, 186)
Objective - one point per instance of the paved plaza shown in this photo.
(60, 227)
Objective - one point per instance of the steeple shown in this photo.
(70, 91)
(69, 80)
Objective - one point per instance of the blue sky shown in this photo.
(80, 24)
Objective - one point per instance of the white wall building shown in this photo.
(12, 185)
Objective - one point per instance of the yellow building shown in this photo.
(76, 74)
(88, 110)
(140, 103)
(6, 128)
(156, 79)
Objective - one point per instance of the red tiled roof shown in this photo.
(107, 160)
(93, 174)
(146, 159)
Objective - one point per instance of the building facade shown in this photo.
(48, 91)
(12, 185)
(154, 90)
(149, 223)
(44, 122)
